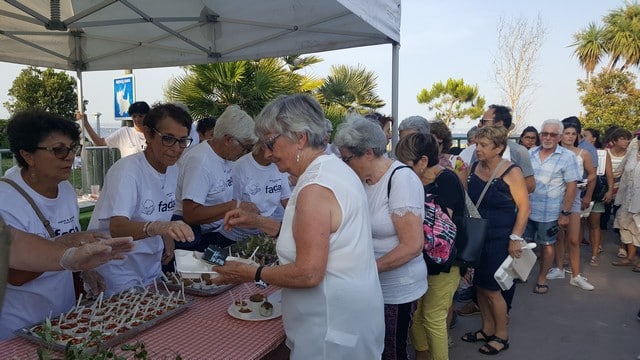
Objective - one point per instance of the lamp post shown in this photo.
(97, 116)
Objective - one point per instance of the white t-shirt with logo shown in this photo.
(265, 186)
(205, 178)
(134, 189)
(127, 140)
(52, 292)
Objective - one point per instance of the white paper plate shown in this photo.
(254, 315)
(190, 264)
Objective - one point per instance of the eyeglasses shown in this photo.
(484, 121)
(529, 137)
(245, 147)
(548, 134)
(61, 152)
(268, 143)
(347, 159)
(169, 141)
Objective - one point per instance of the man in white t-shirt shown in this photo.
(257, 179)
(129, 140)
(205, 188)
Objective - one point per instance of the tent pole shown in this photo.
(395, 67)
(83, 169)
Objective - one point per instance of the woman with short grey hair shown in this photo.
(414, 124)
(396, 210)
(327, 266)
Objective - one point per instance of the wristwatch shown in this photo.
(565, 212)
(515, 237)
(258, 281)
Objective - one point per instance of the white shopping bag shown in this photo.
(519, 268)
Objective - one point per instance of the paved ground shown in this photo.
(569, 323)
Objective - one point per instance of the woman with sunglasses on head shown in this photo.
(138, 200)
(205, 185)
(44, 145)
(331, 297)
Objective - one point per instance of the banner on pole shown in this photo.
(124, 94)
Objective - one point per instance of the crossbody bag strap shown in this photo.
(391, 176)
(486, 186)
(45, 222)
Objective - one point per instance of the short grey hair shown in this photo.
(472, 132)
(553, 122)
(358, 134)
(237, 123)
(291, 116)
(416, 123)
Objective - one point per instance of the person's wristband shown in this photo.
(515, 237)
(258, 281)
(565, 212)
(145, 228)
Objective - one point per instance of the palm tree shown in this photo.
(619, 38)
(352, 88)
(209, 88)
(590, 47)
(622, 36)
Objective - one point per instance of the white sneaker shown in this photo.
(555, 273)
(581, 282)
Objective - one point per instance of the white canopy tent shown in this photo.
(86, 35)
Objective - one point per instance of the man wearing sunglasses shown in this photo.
(126, 139)
(499, 115)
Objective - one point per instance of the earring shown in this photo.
(298, 157)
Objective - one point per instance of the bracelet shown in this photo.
(145, 228)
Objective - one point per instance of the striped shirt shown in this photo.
(551, 175)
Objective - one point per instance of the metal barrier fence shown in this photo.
(96, 160)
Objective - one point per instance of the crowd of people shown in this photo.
(356, 284)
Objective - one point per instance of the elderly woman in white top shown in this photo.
(396, 209)
(331, 299)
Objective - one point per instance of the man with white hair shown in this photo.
(556, 173)
(205, 187)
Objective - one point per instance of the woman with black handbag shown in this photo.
(500, 192)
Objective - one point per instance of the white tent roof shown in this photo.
(86, 35)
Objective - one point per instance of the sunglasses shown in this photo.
(485, 121)
(268, 143)
(61, 152)
(169, 141)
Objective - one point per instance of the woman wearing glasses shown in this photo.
(331, 298)
(44, 145)
(138, 200)
(529, 137)
(205, 187)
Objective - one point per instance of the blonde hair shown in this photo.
(496, 134)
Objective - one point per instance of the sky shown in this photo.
(439, 40)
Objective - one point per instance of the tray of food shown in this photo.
(105, 323)
(201, 286)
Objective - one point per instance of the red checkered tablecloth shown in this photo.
(204, 331)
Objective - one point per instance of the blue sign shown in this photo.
(124, 94)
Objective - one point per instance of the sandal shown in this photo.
(488, 349)
(622, 253)
(541, 289)
(636, 269)
(595, 261)
(473, 337)
(622, 262)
